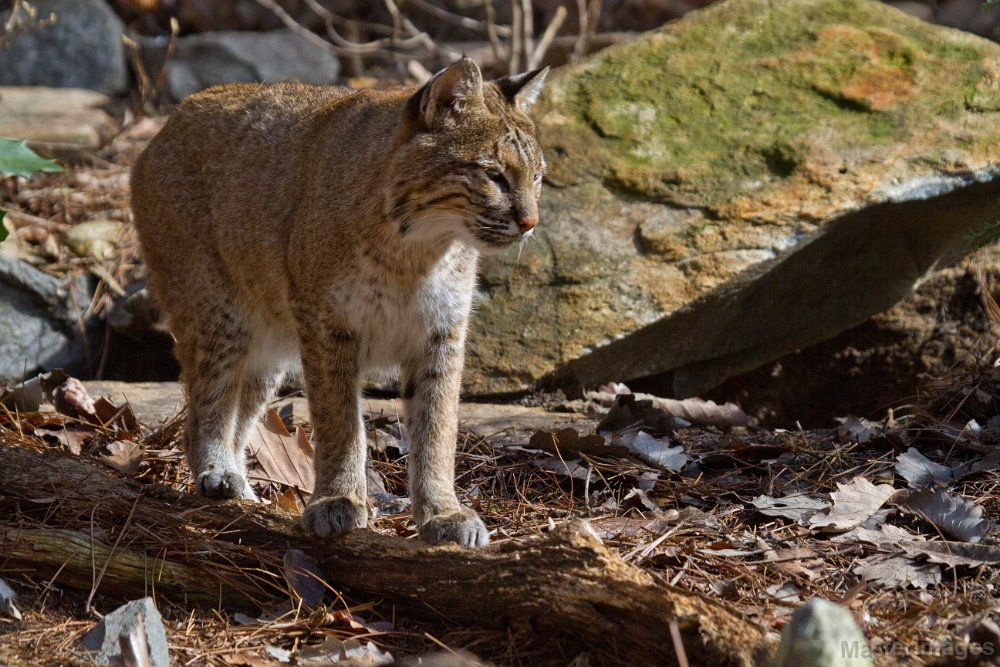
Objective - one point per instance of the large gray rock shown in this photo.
(105, 640)
(215, 58)
(751, 179)
(39, 325)
(82, 49)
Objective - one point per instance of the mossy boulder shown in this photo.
(738, 184)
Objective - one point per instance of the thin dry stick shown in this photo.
(588, 14)
(463, 21)
(493, 31)
(538, 55)
(527, 30)
(104, 567)
(418, 34)
(583, 27)
(514, 64)
(329, 18)
(339, 44)
(678, 642)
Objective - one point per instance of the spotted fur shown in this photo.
(340, 228)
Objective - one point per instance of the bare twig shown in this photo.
(338, 43)
(527, 31)
(331, 19)
(23, 17)
(589, 12)
(463, 21)
(538, 54)
(493, 31)
(514, 64)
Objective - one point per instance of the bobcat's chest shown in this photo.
(395, 318)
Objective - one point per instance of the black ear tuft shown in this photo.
(523, 89)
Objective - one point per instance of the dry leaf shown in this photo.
(700, 411)
(881, 536)
(639, 499)
(853, 504)
(305, 577)
(567, 442)
(657, 452)
(285, 458)
(289, 499)
(112, 415)
(380, 441)
(852, 429)
(123, 455)
(951, 514)
(953, 554)
(898, 572)
(785, 592)
(796, 507)
(660, 413)
(921, 472)
(332, 650)
(25, 396)
(565, 468)
(72, 438)
(71, 398)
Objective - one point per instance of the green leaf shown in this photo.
(3, 230)
(16, 159)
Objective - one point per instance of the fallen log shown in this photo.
(85, 527)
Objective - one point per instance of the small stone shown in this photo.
(105, 639)
(7, 596)
(822, 634)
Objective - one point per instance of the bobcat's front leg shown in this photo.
(330, 365)
(431, 387)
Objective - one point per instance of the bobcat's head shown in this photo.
(469, 164)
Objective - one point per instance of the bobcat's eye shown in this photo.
(499, 180)
(538, 177)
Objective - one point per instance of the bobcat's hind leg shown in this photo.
(212, 355)
(258, 387)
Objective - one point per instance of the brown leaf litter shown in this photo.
(759, 520)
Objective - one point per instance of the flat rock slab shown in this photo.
(154, 402)
(56, 121)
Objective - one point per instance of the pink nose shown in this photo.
(526, 224)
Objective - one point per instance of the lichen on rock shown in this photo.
(689, 163)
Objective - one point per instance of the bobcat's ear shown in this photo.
(454, 90)
(523, 89)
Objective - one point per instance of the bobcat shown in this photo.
(339, 227)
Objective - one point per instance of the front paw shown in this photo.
(224, 484)
(333, 516)
(464, 527)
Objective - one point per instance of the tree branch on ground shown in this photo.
(86, 528)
